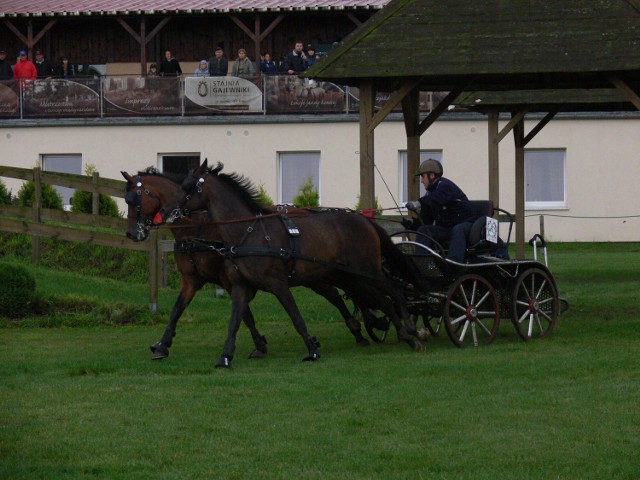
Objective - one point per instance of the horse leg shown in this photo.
(241, 295)
(333, 296)
(285, 297)
(189, 287)
(259, 340)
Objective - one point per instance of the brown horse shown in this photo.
(273, 252)
(153, 199)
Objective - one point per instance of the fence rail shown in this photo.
(79, 227)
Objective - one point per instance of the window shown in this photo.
(179, 163)
(295, 168)
(544, 179)
(424, 155)
(63, 163)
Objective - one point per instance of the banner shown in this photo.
(137, 96)
(427, 100)
(290, 94)
(9, 100)
(223, 95)
(59, 97)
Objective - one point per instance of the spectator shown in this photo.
(65, 69)
(153, 70)
(202, 70)
(294, 62)
(312, 57)
(268, 66)
(170, 67)
(24, 69)
(243, 66)
(6, 72)
(43, 65)
(218, 65)
(444, 210)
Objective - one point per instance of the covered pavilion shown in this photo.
(496, 56)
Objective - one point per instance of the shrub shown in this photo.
(307, 196)
(18, 288)
(264, 199)
(376, 206)
(5, 195)
(50, 198)
(81, 202)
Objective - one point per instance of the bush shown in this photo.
(376, 206)
(18, 289)
(81, 202)
(264, 199)
(307, 196)
(50, 198)
(5, 195)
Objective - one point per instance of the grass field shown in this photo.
(84, 402)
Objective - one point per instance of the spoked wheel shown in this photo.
(471, 312)
(376, 327)
(535, 304)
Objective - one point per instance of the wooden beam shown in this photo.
(493, 154)
(367, 188)
(626, 90)
(16, 32)
(157, 29)
(354, 19)
(44, 30)
(411, 113)
(439, 109)
(518, 137)
(541, 124)
(395, 99)
(515, 118)
(130, 30)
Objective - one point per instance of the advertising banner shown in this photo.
(9, 100)
(137, 96)
(290, 94)
(427, 100)
(60, 97)
(223, 95)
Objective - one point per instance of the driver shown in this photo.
(445, 213)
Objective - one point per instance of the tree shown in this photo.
(307, 196)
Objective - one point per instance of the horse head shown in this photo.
(153, 199)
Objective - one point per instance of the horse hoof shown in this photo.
(159, 351)
(224, 362)
(419, 346)
(257, 354)
(424, 334)
(312, 358)
(363, 342)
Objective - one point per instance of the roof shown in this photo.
(535, 43)
(13, 8)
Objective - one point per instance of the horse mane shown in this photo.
(242, 186)
(153, 171)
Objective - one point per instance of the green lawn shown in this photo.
(89, 403)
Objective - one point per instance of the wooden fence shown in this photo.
(79, 227)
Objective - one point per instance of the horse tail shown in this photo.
(395, 262)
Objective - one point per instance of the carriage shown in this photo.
(469, 300)
(245, 247)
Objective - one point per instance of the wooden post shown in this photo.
(95, 197)
(518, 134)
(37, 212)
(494, 171)
(411, 113)
(367, 189)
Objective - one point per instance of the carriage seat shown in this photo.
(477, 244)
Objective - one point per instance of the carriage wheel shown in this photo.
(471, 312)
(535, 304)
(431, 323)
(376, 327)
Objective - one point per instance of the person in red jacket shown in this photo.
(24, 69)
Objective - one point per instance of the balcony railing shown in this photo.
(125, 96)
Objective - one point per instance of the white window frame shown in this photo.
(533, 155)
(314, 170)
(65, 192)
(403, 187)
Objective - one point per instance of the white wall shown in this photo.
(603, 167)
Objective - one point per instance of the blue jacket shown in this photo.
(446, 205)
